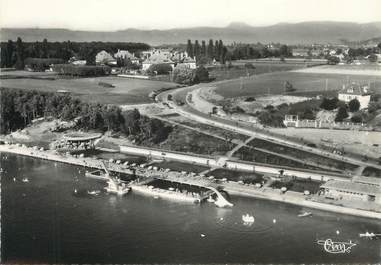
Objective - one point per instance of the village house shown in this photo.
(104, 57)
(124, 54)
(354, 90)
(157, 58)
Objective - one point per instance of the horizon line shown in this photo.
(188, 27)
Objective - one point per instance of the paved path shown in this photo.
(235, 149)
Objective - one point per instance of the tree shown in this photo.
(354, 105)
(341, 114)
(329, 104)
(203, 48)
(196, 50)
(201, 75)
(190, 49)
(45, 49)
(210, 50)
(9, 54)
(285, 51)
(372, 58)
(160, 69)
(19, 54)
(183, 75)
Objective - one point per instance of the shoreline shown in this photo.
(231, 187)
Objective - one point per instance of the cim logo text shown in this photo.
(336, 247)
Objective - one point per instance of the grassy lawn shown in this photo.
(298, 185)
(237, 175)
(185, 140)
(273, 83)
(248, 154)
(306, 156)
(125, 90)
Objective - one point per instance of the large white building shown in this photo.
(352, 91)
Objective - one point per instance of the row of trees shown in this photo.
(20, 107)
(14, 54)
(207, 52)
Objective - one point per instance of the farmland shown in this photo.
(125, 90)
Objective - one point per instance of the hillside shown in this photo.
(303, 33)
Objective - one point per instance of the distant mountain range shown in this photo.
(297, 33)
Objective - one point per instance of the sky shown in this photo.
(110, 15)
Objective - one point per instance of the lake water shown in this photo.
(44, 221)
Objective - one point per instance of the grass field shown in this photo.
(260, 68)
(125, 90)
(273, 83)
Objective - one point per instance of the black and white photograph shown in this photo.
(190, 132)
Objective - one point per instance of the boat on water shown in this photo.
(370, 235)
(25, 180)
(304, 214)
(247, 218)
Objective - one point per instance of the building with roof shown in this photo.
(354, 190)
(124, 54)
(300, 52)
(157, 58)
(355, 91)
(104, 57)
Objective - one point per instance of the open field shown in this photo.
(126, 90)
(367, 69)
(357, 142)
(273, 83)
(239, 70)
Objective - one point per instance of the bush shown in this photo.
(81, 70)
(201, 75)
(341, 114)
(329, 104)
(183, 75)
(159, 69)
(354, 105)
(41, 64)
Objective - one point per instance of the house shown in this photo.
(354, 90)
(300, 52)
(157, 58)
(189, 62)
(163, 52)
(104, 57)
(124, 54)
(351, 191)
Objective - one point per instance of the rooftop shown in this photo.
(352, 187)
(355, 89)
